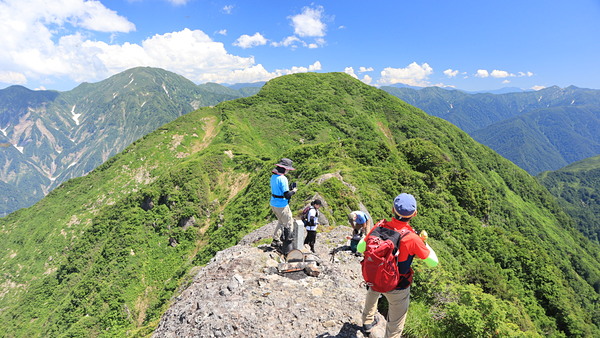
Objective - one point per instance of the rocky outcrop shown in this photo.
(241, 293)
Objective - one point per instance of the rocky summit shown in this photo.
(242, 293)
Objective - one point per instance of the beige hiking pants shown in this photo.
(284, 220)
(398, 301)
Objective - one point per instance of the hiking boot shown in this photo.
(369, 327)
(277, 245)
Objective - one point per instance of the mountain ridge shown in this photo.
(107, 252)
(67, 134)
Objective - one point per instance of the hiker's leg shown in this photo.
(398, 301)
(370, 309)
(279, 228)
(368, 226)
(287, 219)
(313, 239)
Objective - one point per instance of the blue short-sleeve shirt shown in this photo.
(361, 217)
(279, 185)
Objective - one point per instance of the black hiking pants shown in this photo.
(311, 238)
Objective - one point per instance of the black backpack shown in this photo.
(305, 215)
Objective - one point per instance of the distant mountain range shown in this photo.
(538, 131)
(49, 137)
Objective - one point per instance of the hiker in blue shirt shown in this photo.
(280, 197)
(360, 222)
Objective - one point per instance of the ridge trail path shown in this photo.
(240, 293)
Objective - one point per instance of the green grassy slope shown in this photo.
(103, 254)
(577, 188)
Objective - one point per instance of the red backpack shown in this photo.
(380, 263)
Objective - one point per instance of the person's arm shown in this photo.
(432, 259)
(287, 193)
(416, 246)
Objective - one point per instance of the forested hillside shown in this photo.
(103, 254)
(537, 130)
(546, 139)
(577, 187)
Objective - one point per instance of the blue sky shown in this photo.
(470, 45)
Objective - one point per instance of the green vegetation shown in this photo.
(577, 188)
(68, 134)
(103, 254)
(537, 130)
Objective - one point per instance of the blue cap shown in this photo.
(405, 205)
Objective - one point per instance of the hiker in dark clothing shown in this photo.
(311, 223)
(280, 197)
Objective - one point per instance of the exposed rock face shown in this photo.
(241, 293)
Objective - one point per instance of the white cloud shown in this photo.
(365, 69)
(413, 75)
(33, 49)
(12, 77)
(506, 81)
(227, 9)
(500, 74)
(222, 32)
(482, 73)
(450, 73)
(290, 41)
(350, 71)
(308, 23)
(527, 74)
(247, 41)
(178, 2)
(367, 79)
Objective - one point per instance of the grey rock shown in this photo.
(240, 293)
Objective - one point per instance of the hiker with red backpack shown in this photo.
(388, 251)
(310, 217)
(280, 197)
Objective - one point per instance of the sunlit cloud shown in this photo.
(227, 9)
(309, 23)
(350, 71)
(482, 73)
(500, 73)
(450, 73)
(12, 77)
(413, 75)
(32, 48)
(178, 2)
(307, 26)
(247, 41)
